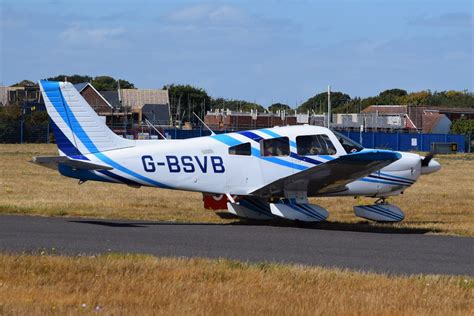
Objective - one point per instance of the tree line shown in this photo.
(187, 99)
(100, 83)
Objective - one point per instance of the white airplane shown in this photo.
(272, 171)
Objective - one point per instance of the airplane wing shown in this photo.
(331, 176)
(53, 162)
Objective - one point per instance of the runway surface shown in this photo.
(394, 253)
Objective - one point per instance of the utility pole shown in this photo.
(329, 106)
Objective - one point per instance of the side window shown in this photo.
(314, 145)
(275, 147)
(241, 150)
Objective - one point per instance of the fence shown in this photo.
(30, 133)
(18, 133)
(405, 141)
(392, 141)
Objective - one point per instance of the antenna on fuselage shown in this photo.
(156, 130)
(329, 106)
(205, 125)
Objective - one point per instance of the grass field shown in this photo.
(132, 284)
(441, 203)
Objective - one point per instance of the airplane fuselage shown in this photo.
(204, 164)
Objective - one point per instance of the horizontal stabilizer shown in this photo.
(53, 162)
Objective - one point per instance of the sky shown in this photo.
(263, 51)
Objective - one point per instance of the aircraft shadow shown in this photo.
(117, 223)
(364, 226)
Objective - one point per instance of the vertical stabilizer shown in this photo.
(77, 127)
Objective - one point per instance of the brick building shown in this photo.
(231, 120)
(429, 119)
(94, 98)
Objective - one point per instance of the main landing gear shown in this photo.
(380, 211)
(301, 210)
(291, 209)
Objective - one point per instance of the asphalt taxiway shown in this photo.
(386, 252)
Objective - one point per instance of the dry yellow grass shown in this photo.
(134, 284)
(26, 188)
(439, 203)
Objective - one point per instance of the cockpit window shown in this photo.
(314, 145)
(275, 147)
(241, 150)
(349, 145)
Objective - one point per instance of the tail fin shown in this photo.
(77, 127)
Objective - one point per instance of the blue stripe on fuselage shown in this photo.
(384, 182)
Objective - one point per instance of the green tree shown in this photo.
(104, 83)
(417, 98)
(186, 99)
(391, 96)
(463, 127)
(71, 78)
(318, 103)
(101, 83)
(452, 98)
(236, 105)
(279, 107)
(124, 84)
(24, 83)
(393, 92)
(107, 83)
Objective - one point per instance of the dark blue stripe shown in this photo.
(383, 212)
(302, 210)
(393, 180)
(382, 181)
(63, 143)
(305, 159)
(378, 212)
(378, 207)
(248, 204)
(309, 209)
(118, 178)
(251, 135)
(396, 177)
(79, 174)
(390, 177)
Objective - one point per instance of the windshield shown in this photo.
(349, 145)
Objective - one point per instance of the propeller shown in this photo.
(426, 160)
